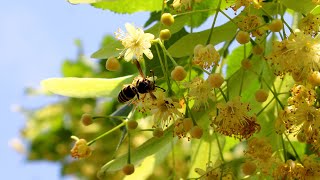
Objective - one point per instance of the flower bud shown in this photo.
(112, 64)
(178, 73)
(167, 19)
(243, 37)
(165, 34)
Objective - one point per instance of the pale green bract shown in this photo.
(86, 87)
(156, 147)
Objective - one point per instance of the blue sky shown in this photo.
(35, 36)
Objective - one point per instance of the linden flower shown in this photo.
(317, 2)
(309, 169)
(200, 91)
(289, 170)
(299, 55)
(164, 109)
(282, 122)
(239, 3)
(250, 22)
(302, 95)
(80, 149)
(135, 42)
(183, 4)
(233, 120)
(310, 24)
(260, 152)
(306, 119)
(206, 57)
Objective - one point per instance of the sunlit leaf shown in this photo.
(185, 46)
(110, 48)
(86, 87)
(204, 150)
(302, 6)
(148, 148)
(129, 6)
(146, 168)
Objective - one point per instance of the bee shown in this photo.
(140, 85)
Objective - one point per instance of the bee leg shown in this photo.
(152, 95)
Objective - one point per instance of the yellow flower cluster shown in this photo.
(299, 55)
(310, 24)
(301, 117)
(259, 152)
(252, 23)
(309, 168)
(233, 120)
(200, 91)
(205, 56)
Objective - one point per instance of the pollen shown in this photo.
(233, 120)
(205, 56)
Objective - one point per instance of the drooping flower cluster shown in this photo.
(135, 42)
(301, 117)
(80, 148)
(163, 109)
(299, 56)
(183, 4)
(233, 120)
(182, 126)
(310, 24)
(251, 23)
(200, 91)
(259, 152)
(308, 169)
(205, 56)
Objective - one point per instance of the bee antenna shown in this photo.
(161, 88)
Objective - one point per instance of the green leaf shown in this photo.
(86, 87)
(302, 6)
(146, 168)
(179, 23)
(109, 48)
(150, 147)
(184, 46)
(204, 149)
(129, 6)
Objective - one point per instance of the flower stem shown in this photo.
(163, 70)
(213, 23)
(129, 149)
(284, 150)
(294, 150)
(106, 133)
(219, 146)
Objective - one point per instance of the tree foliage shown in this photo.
(248, 104)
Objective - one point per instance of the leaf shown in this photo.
(146, 168)
(129, 6)
(148, 148)
(109, 49)
(302, 6)
(184, 46)
(179, 23)
(202, 149)
(86, 87)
